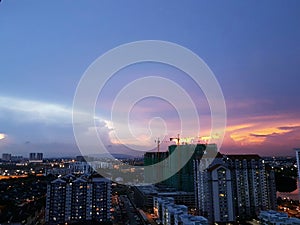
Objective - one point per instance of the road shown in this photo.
(133, 217)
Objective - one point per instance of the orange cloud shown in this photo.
(238, 127)
(260, 128)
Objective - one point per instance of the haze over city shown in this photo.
(252, 47)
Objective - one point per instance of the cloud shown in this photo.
(259, 135)
(29, 111)
(238, 127)
(273, 134)
(34, 124)
(24, 111)
(2, 136)
(255, 134)
(288, 128)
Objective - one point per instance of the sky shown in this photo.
(252, 47)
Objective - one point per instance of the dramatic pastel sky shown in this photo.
(252, 47)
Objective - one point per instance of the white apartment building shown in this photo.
(298, 160)
(172, 214)
(277, 218)
(78, 199)
(233, 188)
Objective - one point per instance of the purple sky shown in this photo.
(253, 48)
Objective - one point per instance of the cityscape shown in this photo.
(149, 113)
(234, 189)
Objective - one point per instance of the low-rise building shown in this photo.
(169, 213)
(144, 195)
(187, 219)
(272, 217)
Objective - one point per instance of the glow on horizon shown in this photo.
(256, 132)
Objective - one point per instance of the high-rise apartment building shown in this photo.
(78, 199)
(39, 156)
(298, 160)
(298, 164)
(178, 160)
(35, 157)
(6, 157)
(182, 180)
(150, 158)
(252, 190)
(234, 188)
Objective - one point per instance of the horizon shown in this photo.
(122, 155)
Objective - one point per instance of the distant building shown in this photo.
(276, 218)
(39, 156)
(78, 199)
(80, 158)
(234, 188)
(36, 157)
(6, 157)
(17, 158)
(32, 156)
(11, 158)
(57, 171)
(81, 167)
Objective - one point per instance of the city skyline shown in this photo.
(251, 47)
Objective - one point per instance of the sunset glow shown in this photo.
(263, 131)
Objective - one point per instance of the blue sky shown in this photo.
(253, 48)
